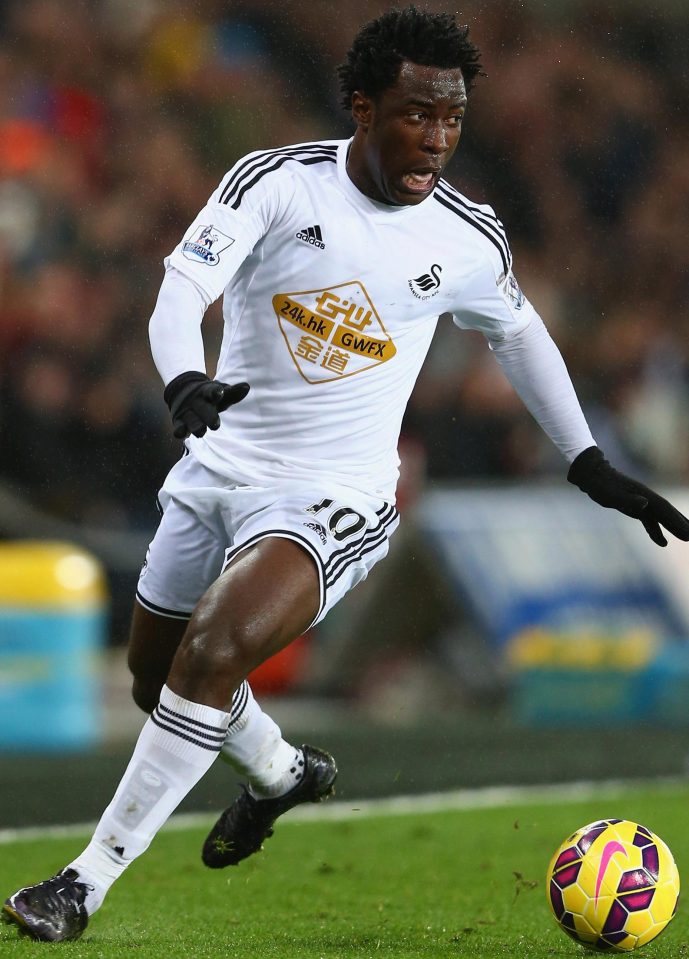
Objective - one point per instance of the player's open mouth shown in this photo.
(421, 181)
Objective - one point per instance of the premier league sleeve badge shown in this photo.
(206, 245)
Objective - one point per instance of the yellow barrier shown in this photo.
(51, 574)
(53, 599)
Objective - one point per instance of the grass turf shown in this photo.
(463, 883)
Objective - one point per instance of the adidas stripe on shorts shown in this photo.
(208, 520)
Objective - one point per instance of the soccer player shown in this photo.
(334, 261)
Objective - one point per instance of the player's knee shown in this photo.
(230, 651)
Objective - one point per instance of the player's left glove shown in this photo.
(196, 401)
(592, 473)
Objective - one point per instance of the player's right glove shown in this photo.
(592, 473)
(195, 402)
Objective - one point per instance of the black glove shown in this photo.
(592, 473)
(195, 402)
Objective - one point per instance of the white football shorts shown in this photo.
(207, 520)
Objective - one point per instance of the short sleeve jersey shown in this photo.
(330, 301)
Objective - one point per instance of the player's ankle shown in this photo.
(95, 891)
(289, 767)
(97, 868)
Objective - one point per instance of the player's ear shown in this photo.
(361, 109)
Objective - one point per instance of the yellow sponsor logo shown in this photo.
(304, 319)
(364, 345)
(332, 333)
(351, 312)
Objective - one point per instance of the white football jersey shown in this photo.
(330, 303)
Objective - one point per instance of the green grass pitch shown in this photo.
(466, 882)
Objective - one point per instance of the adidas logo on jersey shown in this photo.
(313, 236)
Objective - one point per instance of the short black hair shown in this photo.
(428, 39)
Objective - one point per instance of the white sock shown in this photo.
(177, 745)
(254, 746)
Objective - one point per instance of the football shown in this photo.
(612, 885)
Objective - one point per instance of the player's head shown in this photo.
(406, 79)
(381, 47)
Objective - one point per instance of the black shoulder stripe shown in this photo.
(267, 160)
(453, 194)
(248, 164)
(305, 161)
(482, 227)
(488, 220)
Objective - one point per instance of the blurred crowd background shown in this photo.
(118, 118)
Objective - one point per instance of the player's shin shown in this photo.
(176, 747)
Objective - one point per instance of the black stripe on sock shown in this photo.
(172, 716)
(216, 739)
(191, 739)
(239, 702)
